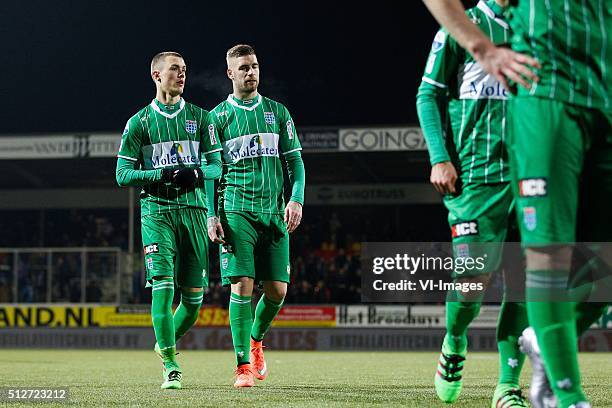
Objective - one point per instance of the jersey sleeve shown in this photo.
(443, 60)
(288, 136)
(209, 142)
(131, 140)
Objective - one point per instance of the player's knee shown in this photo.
(473, 281)
(549, 258)
(275, 291)
(242, 285)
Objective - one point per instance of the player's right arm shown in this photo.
(442, 65)
(500, 62)
(128, 171)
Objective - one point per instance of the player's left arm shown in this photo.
(291, 148)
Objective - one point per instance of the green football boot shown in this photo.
(448, 380)
(508, 396)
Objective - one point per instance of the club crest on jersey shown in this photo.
(191, 126)
(464, 229)
(290, 129)
(529, 218)
(211, 133)
(151, 248)
(533, 187)
(269, 118)
(438, 41)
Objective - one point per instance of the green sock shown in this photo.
(555, 327)
(187, 312)
(265, 312)
(586, 314)
(459, 315)
(241, 321)
(510, 324)
(161, 314)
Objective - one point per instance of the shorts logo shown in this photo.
(203, 273)
(533, 187)
(529, 218)
(288, 270)
(150, 263)
(462, 250)
(191, 126)
(438, 41)
(269, 118)
(224, 263)
(464, 229)
(227, 249)
(290, 129)
(211, 133)
(152, 248)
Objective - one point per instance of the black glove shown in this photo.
(167, 176)
(185, 177)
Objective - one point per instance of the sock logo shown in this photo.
(151, 248)
(240, 354)
(533, 187)
(463, 229)
(564, 384)
(513, 362)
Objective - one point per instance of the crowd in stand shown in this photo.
(325, 253)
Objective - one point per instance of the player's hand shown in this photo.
(443, 177)
(185, 177)
(215, 230)
(293, 215)
(505, 64)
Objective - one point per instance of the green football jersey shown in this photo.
(570, 40)
(477, 102)
(252, 134)
(168, 137)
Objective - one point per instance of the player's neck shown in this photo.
(245, 96)
(167, 99)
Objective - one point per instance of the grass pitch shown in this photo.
(349, 379)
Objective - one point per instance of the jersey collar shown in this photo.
(486, 8)
(246, 105)
(168, 115)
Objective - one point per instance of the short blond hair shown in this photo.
(160, 57)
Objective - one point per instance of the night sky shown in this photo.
(81, 66)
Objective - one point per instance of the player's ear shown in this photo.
(155, 76)
(230, 73)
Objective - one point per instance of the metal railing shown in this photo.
(54, 275)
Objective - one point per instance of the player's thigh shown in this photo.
(272, 251)
(159, 245)
(237, 254)
(478, 218)
(546, 158)
(594, 215)
(192, 268)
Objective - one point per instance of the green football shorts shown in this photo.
(176, 244)
(479, 218)
(256, 245)
(561, 163)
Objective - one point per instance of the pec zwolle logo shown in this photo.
(191, 126)
(463, 229)
(269, 118)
